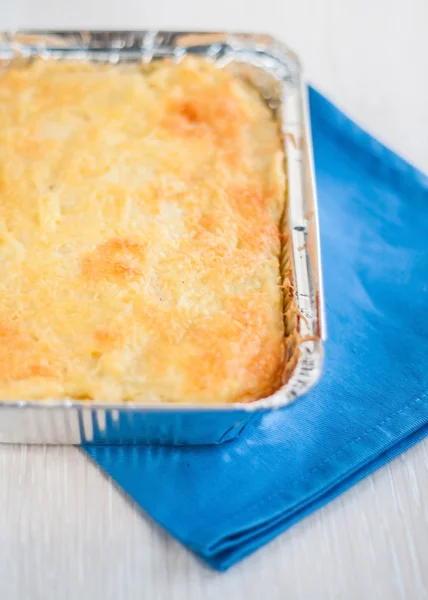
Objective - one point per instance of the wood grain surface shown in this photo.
(65, 531)
(68, 533)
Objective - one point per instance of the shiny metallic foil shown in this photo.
(275, 71)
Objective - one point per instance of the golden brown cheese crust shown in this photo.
(139, 234)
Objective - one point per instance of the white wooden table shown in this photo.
(65, 531)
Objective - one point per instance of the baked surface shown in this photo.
(139, 234)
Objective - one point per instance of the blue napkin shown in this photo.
(224, 502)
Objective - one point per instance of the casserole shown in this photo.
(240, 365)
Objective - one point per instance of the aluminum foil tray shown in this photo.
(276, 72)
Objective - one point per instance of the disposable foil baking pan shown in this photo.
(276, 72)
